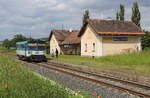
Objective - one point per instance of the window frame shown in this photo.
(67, 46)
(93, 47)
(86, 47)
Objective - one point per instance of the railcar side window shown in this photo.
(33, 47)
(41, 47)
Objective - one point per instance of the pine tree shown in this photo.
(117, 16)
(86, 16)
(136, 16)
(121, 13)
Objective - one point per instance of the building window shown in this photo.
(93, 47)
(120, 38)
(67, 46)
(85, 47)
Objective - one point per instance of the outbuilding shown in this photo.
(109, 37)
(72, 44)
(66, 42)
(56, 38)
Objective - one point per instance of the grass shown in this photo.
(17, 81)
(9, 51)
(139, 61)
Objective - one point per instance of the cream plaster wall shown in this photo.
(111, 47)
(89, 37)
(54, 45)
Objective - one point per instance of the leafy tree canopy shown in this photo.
(12, 43)
(17, 38)
(6, 43)
(146, 40)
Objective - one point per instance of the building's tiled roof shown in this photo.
(59, 34)
(72, 38)
(65, 36)
(113, 27)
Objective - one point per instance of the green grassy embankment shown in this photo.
(8, 51)
(139, 61)
(17, 81)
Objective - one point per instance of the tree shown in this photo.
(146, 40)
(17, 38)
(117, 16)
(6, 43)
(121, 13)
(86, 16)
(136, 16)
(29, 39)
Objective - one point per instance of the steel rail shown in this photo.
(104, 77)
(55, 68)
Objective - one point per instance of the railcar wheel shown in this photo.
(19, 58)
(45, 60)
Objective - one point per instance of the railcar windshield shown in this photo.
(37, 46)
(33, 47)
(20, 47)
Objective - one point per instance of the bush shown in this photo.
(146, 40)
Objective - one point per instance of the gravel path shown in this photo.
(79, 84)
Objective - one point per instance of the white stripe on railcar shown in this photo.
(29, 53)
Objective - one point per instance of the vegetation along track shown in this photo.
(139, 90)
(73, 71)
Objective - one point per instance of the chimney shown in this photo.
(70, 30)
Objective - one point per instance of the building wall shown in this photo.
(54, 45)
(87, 40)
(111, 47)
(75, 49)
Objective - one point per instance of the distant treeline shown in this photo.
(12, 43)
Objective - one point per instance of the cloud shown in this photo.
(38, 17)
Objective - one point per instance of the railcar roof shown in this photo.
(24, 42)
(34, 41)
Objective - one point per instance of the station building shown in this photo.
(109, 37)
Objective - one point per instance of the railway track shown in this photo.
(99, 79)
(87, 76)
(101, 76)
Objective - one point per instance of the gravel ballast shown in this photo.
(75, 83)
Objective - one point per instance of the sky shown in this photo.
(38, 17)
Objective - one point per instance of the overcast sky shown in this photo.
(39, 17)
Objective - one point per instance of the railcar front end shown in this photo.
(31, 50)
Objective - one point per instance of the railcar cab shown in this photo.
(31, 50)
